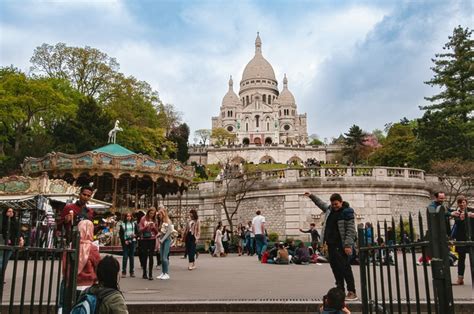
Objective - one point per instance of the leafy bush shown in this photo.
(273, 237)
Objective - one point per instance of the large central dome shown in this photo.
(258, 67)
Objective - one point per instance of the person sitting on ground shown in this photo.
(333, 302)
(291, 247)
(301, 255)
(282, 255)
(108, 278)
(272, 253)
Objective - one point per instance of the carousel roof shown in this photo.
(115, 150)
(113, 159)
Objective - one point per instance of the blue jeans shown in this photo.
(261, 244)
(4, 258)
(128, 253)
(164, 252)
(249, 244)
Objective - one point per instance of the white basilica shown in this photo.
(264, 119)
(261, 114)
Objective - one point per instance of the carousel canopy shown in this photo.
(113, 159)
(21, 192)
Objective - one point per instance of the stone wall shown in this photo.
(375, 195)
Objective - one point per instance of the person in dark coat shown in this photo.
(11, 236)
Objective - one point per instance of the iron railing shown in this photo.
(390, 255)
(43, 287)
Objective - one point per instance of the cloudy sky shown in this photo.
(347, 62)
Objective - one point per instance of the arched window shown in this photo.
(257, 118)
(269, 99)
(268, 126)
(248, 102)
(246, 127)
(264, 98)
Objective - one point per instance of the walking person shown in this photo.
(128, 237)
(165, 242)
(226, 238)
(339, 234)
(258, 229)
(148, 229)
(219, 250)
(192, 233)
(249, 239)
(11, 237)
(240, 233)
(460, 233)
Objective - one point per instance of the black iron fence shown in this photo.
(390, 256)
(43, 286)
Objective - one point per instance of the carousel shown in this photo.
(124, 178)
(127, 180)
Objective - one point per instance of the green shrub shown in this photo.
(273, 237)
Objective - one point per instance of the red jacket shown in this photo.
(77, 209)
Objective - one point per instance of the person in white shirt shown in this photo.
(258, 228)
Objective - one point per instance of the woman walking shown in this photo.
(191, 236)
(165, 242)
(219, 250)
(128, 237)
(148, 231)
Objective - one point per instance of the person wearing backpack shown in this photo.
(105, 296)
(128, 237)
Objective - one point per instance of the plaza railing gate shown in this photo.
(390, 256)
(38, 280)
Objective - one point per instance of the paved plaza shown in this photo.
(237, 279)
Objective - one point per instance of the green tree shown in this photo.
(354, 144)
(398, 147)
(29, 108)
(180, 136)
(87, 131)
(88, 69)
(446, 129)
(222, 137)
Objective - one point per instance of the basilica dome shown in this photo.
(286, 97)
(258, 67)
(230, 97)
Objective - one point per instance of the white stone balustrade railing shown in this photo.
(331, 173)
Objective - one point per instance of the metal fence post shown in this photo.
(72, 261)
(363, 268)
(442, 287)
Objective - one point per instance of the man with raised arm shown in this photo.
(339, 234)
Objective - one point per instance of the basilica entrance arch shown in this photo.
(246, 141)
(257, 141)
(295, 160)
(267, 160)
(268, 141)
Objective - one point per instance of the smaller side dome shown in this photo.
(286, 97)
(230, 97)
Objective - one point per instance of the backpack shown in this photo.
(89, 303)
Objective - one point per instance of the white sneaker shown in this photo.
(165, 277)
(160, 276)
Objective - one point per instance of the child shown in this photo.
(333, 302)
